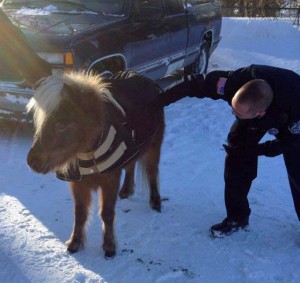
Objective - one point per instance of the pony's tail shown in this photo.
(142, 182)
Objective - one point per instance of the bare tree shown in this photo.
(253, 8)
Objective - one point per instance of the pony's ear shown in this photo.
(74, 94)
(83, 100)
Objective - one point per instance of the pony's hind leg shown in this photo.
(110, 186)
(82, 200)
(128, 185)
(150, 161)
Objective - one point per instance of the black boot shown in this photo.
(227, 227)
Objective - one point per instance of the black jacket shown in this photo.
(283, 114)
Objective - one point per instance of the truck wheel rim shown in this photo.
(202, 62)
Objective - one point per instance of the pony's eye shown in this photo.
(61, 127)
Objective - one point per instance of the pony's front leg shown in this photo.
(82, 199)
(109, 197)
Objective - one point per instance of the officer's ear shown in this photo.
(261, 113)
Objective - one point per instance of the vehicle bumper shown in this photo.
(13, 101)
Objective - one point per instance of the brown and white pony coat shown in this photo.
(86, 130)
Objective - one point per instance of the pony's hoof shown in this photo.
(74, 246)
(124, 194)
(156, 207)
(72, 251)
(109, 255)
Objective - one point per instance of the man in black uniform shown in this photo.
(264, 99)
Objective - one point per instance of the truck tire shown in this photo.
(103, 69)
(200, 65)
(105, 73)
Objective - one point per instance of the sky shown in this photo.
(36, 211)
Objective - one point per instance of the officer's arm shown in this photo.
(290, 139)
(215, 83)
(288, 143)
(195, 86)
(270, 148)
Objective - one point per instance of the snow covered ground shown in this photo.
(173, 246)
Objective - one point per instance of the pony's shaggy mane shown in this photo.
(48, 95)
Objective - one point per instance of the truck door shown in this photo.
(200, 17)
(176, 22)
(150, 40)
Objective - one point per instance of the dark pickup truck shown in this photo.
(154, 38)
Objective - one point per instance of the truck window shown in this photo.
(148, 4)
(175, 7)
(147, 9)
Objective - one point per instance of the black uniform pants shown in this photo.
(241, 170)
(292, 163)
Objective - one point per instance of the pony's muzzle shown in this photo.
(38, 161)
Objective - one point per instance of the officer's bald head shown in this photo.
(252, 99)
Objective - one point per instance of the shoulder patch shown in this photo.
(295, 128)
(273, 131)
(221, 85)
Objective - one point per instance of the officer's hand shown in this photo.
(232, 150)
(241, 150)
(254, 150)
(197, 86)
(270, 148)
(194, 77)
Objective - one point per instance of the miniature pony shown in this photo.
(86, 130)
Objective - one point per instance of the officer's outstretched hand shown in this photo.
(254, 150)
(195, 85)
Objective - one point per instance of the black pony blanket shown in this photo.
(124, 132)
